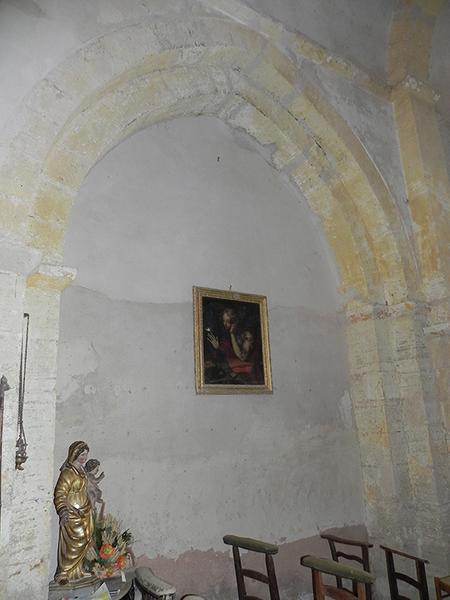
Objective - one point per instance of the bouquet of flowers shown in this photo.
(110, 550)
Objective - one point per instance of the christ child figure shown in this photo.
(95, 493)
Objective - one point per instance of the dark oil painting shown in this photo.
(233, 342)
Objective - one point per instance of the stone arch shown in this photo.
(142, 74)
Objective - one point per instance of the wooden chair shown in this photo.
(319, 566)
(362, 559)
(394, 576)
(442, 586)
(253, 546)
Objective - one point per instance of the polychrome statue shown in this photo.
(75, 513)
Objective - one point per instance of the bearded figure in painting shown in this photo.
(76, 525)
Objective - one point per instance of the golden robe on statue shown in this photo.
(76, 517)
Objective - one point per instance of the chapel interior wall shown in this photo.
(192, 202)
(383, 354)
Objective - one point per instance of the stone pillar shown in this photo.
(428, 189)
(28, 545)
(16, 261)
(12, 287)
(402, 440)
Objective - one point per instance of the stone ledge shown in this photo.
(439, 329)
(51, 278)
(368, 312)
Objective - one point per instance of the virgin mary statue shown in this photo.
(75, 515)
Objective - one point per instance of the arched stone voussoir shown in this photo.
(151, 72)
(300, 129)
(109, 59)
(273, 108)
(257, 125)
(362, 187)
(123, 110)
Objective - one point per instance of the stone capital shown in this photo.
(437, 329)
(417, 88)
(51, 278)
(360, 311)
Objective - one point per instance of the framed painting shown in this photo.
(231, 343)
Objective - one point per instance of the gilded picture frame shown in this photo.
(231, 342)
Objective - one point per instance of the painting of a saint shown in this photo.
(232, 346)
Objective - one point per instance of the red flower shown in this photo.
(106, 550)
(121, 562)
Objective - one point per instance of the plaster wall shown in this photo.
(190, 202)
(353, 29)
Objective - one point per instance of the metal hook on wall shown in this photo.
(21, 444)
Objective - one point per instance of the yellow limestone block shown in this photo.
(269, 78)
(409, 48)
(355, 190)
(372, 426)
(337, 225)
(282, 118)
(320, 123)
(52, 204)
(65, 167)
(265, 131)
(47, 236)
(427, 185)
(310, 50)
(285, 67)
(51, 278)
(153, 63)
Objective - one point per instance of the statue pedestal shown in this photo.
(84, 589)
(77, 590)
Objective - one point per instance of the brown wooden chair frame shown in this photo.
(268, 550)
(442, 586)
(319, 566)
(362, 560)
(419, 584)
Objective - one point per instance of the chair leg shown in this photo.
(361, 590)
(273, 586)
(239, 576)
(319, 593)
(437, 585)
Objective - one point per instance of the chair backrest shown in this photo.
(362, 558)
(321, 590)
(394, 576)
(252, 545)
